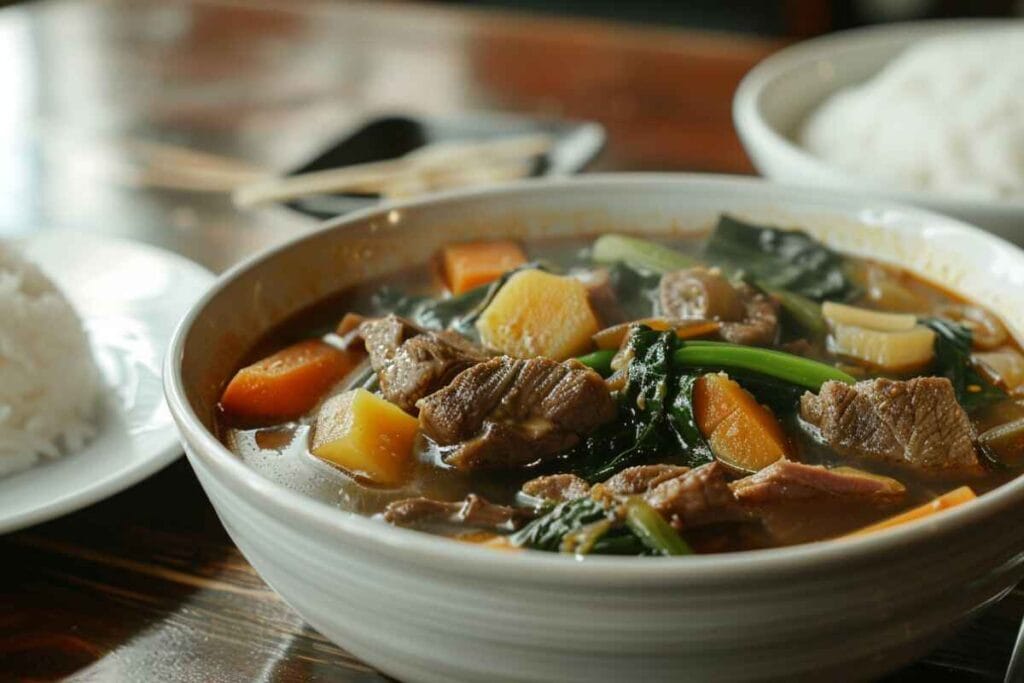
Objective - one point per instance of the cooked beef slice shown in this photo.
(556, 488)
(747, 316)
(699, 292)
(760, 323)
(696, 497)
(509, 412)
(424, 364)
(474, 511)
(786, 480)
(642, 478)
(915, 423)
(383, 337)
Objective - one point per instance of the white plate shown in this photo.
(130, 297)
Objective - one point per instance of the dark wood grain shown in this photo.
(146, 586)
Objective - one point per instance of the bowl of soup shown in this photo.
(657, 426)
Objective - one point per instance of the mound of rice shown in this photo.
(946, 116)
(49, 384)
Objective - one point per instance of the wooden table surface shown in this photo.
(101, 102)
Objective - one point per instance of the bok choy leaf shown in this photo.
(778, 259)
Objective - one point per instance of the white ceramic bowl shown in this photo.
(778, 95)
(424, 608)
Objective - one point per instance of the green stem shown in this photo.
(652, 529)
(785, 366)
(806, 312)
(600, 361)
(640, 254)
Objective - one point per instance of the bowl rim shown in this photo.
(242, 480)
(756, 130)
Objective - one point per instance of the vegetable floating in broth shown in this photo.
(632, 397)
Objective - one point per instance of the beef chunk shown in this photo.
(642, 478)
(383, 337)
(685, 497)
(786, 480)
(556, 488)
(917, 423)
(424, 364)
(412, 363)
(509, 412)
(696, 497)
(474, 512)
(760, 323)
(747, 316)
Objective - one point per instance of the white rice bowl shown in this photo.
(49, 384)
(947, 115)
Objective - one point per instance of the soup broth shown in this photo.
(821, 484)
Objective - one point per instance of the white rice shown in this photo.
(945, 116)
(49, 384)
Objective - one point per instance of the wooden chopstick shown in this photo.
(437, 161)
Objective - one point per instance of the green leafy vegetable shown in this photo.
(684, 424)
(652, 529)
(655, 414)
(585, 527)
(779, 365)
(547, 531)
(788, 260)
(953, 360)
(645, 398)
(619, 542)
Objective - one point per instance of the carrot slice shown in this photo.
(473, 264)
(741, 432)
(944, 502)
(288, 383)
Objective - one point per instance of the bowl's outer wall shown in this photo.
(779, 95)
(421, 620)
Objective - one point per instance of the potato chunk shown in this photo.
(892, 351)
(841, 314)
(366, 436)
(539, 314)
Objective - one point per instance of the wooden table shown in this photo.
(99, 101)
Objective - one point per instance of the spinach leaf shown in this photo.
(789, 260)
(684, 425)
(641, 408)
(953, 360)
(619, 542)
(547, 531)
(655, 413)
